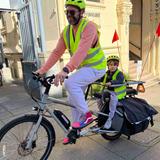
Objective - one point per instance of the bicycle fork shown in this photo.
(32, 133)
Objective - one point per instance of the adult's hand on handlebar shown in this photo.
(59, 78)
(37, 73)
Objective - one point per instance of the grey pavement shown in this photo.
(14, 101)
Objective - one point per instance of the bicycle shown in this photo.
(39, 137)
(35, 126)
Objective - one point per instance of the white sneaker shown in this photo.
(108, 124)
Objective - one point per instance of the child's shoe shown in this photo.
(87, 120)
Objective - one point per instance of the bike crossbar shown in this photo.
(55, 100)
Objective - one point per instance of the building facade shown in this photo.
(134, 20)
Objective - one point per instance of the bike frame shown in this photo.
(43, 108)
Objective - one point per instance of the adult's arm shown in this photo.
(54, 56)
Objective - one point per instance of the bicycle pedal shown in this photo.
(74, 133)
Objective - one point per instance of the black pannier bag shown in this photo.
(132, 116)
(138, 114)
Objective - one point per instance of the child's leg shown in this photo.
(112, 105)
(112, 109)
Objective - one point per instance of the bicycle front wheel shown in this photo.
(13, 139)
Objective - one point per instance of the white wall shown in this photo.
(5, 4)
(10, 4)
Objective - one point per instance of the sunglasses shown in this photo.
(71, 12)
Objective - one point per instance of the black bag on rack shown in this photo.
(132, 116)
(138, 114)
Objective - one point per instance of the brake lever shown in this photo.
(50, 79)
(36, 76)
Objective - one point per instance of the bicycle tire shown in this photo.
(48, 128)
(111, 137)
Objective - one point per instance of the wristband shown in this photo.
(65, 69)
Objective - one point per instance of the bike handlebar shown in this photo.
(45, 81)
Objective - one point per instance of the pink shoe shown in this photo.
(66, 140)
(87, 120)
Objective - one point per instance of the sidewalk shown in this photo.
(144, 146)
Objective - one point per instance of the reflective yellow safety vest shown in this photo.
(121, 90)
(95, 58)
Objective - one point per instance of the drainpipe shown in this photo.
(41, 26)
(59, 29)
(1, 49)
(57, 11)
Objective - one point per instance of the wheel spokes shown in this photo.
(10, 144)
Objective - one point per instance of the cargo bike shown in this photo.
(32, 136)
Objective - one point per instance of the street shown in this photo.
(143, 146)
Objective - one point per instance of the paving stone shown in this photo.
(150, 154)
(5, 117)
(147, 138)
(143, 146)
(84, 149)
(1, 124)
(122, 147)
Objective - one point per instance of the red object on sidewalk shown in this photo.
(158, 30)
(115, 37)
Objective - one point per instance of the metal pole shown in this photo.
(57, 11)
(1, 50)
(41, 25)
(36, 47)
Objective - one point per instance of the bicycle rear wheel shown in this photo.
(111, 136)
(13, 139)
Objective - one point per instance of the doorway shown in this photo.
(135, 31)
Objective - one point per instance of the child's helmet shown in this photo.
(112, 57)
(78, 3)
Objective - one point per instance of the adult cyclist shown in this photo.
(81, 39)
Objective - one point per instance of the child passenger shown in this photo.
(114, 76)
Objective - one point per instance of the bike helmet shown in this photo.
(112, 57)
(78, 3)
